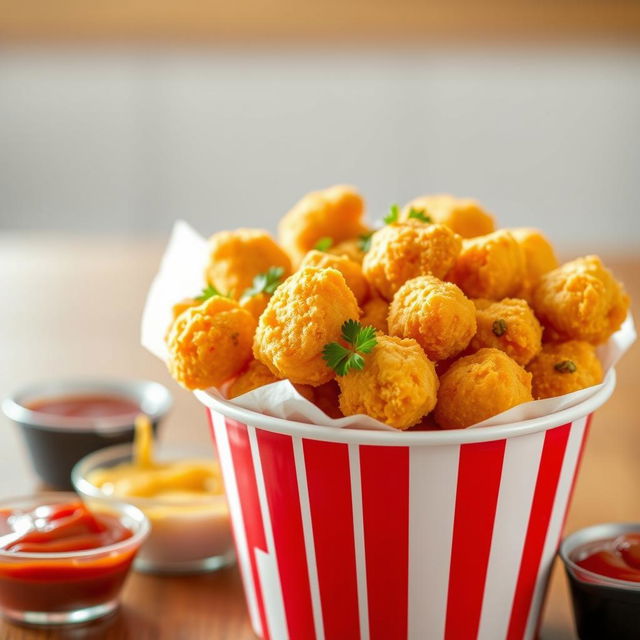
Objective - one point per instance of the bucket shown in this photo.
(346, 534)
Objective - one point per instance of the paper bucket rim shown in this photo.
(411, 438)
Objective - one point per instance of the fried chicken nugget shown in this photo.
(490, 266)
(210, 343)
(352, 249)
(465, 216)
(581, 300)
(397, 386)
(508, 325)
(305, 313)
(236, 257)
(480, 386)
(539, 258)
(255, 375)
(256, 304)
(434, 313)
(374, 314)
(564, 367)
(351, 271)
(326, 398)
(407, 250)
(334, 213)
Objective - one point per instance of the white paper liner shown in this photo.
(181, 276)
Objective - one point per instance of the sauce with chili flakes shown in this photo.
(86, 406)
(617, 558)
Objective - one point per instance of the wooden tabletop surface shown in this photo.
(71, 307)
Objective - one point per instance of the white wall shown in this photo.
(128, 141)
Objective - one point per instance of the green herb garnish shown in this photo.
(393, 215)
(499, 327)
(266, 282)
(364, 241)
(342, 359)
(323, 244)
(208, 292)
(566, 366)
(419, 214)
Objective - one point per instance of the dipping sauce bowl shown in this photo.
(65, 420)
(602, 563)
(61, 563)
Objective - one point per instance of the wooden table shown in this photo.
(71, 306)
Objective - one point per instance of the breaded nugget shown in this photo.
(236, 257)
(465, 216)
(581, 300)
(480, 386)
(508, 325)
(539, 258)
(397, 386)
(434, 313)
(326, 398)
(253, 376)
(490, 266)
(351, 271)
(406, 250)
(352, 249)
(563, 367)
(305, 313)
(255, 304)
(374, 314)
(334, 213)
(210, 343)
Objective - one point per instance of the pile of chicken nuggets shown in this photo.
(467, 320)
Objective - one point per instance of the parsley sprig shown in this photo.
(364, 241)
(419, 214)
(266, 282)
(208, 292)
(324, 244)
(342, 359)
(393, 215)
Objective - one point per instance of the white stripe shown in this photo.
(358, 538)
(517, 488)
(557, 517)
(309, 543)
(269, 576)
(433, 478)
(237, 521)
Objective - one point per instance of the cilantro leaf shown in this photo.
(323, 244)
(208, 292)
(266, 282)
(419, 214)
(364, 241)
(342, 359)
(393, 215)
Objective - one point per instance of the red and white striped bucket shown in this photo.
(357, 535)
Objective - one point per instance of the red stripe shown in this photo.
(555, 444)
(329, 485)
(479, 472)
(250, 505)
(385, 510)
(281, 484)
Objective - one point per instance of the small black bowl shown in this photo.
(56, 443)
(603, 607)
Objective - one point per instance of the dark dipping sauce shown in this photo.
(57, 584)
(86, 406)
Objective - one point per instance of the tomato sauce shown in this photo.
(86, 406)
(617, 558)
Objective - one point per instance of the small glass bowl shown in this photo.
(187, 537)
(68, 587)
(603, 607)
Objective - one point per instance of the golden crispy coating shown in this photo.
(508, 325)
(334, 213)
(480, 386)
(177, 309)
(326, 398)
(434, 313)
(563, 367)
(305, 313)
(407, 250)
(539, 258)
(352, 249)
(253, 376)
(465, 216)
(580, 300)
(351, 271)
(236, 257)
(255, 305)
(490, 266)
(210, 343)
(397, 386)
(374, 314)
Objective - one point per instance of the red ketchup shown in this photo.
(617, 558)
(86, 406)
(32, 583)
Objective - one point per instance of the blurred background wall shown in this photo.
(123, 122)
